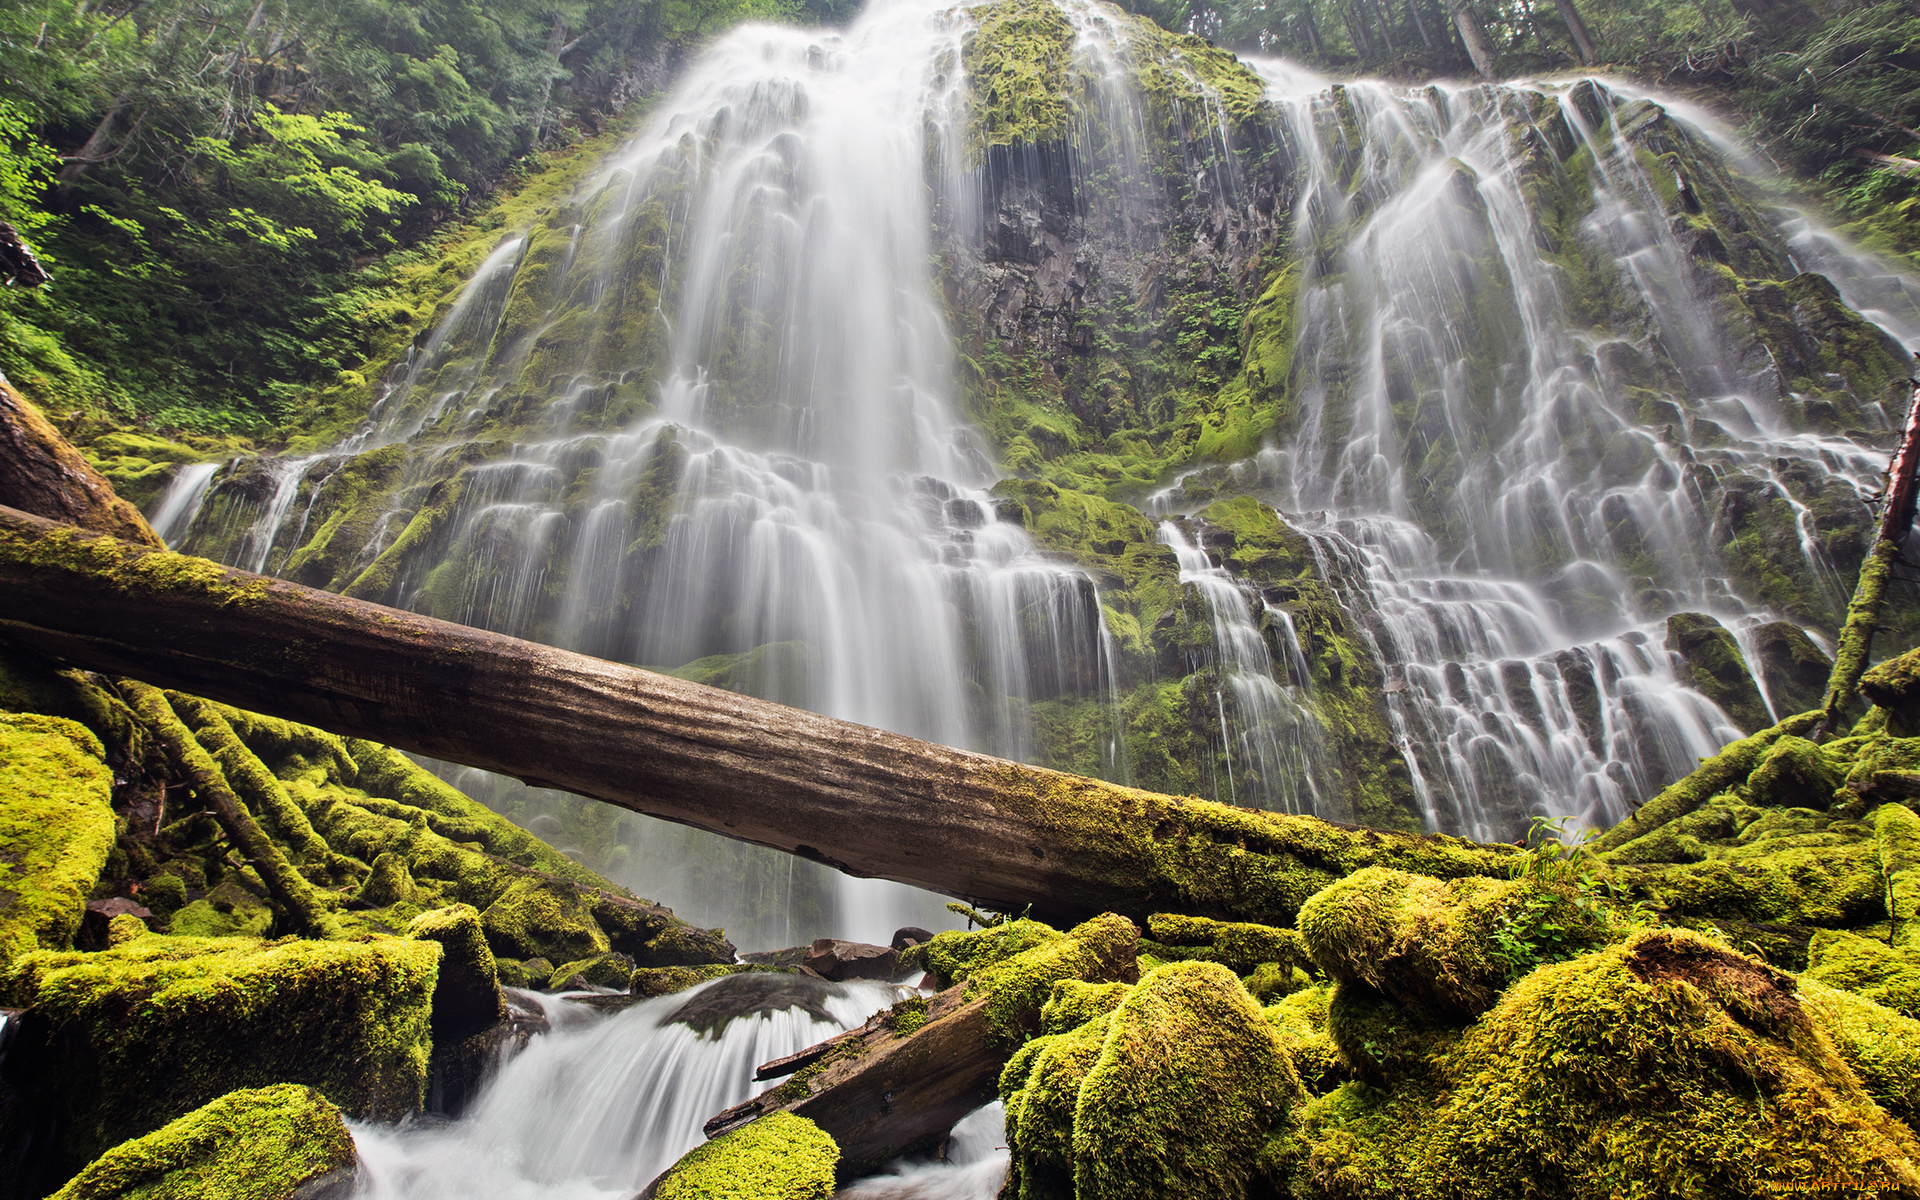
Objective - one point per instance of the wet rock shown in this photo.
(99, 916)
(832, 958)
(1794, 669)
(648, 982)
(466, 995)
(910, 935)
(1711, 663)
(714, 1008)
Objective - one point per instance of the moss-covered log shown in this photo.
(40, 472)
(869, 802)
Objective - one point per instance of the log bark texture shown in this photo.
(866, 801)
(41, 473)
(883, 1095)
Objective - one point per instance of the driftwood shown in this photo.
(866, 801)
(1896, 522)
(882, 1094)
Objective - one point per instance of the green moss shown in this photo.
(1868, 968)
(1018, 60)
(466, 993)
(1040, 1111)
(1663, 1066)
(953, 956)
(1439, 948)
(1189, 1083)
(1714, 776)
(602, 970)
(390, 883)
(1881, 1046)
(1238, 945)
(158, 1026)
(1896, 831)
(665, 981)
(1301, 1019)
(1017, 988)
(56, 829)
(541, 918)
(136, 572)
(1271, 982)
(1794, 772)
(778, 1157)
(1074, 1002)
(263, 1143)
(1380, 1040)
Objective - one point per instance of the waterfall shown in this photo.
(600, 1104)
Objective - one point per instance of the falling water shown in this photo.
(596, 1108)
(1275, 756)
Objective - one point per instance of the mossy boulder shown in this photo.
(56, 830)
(466, 994)
(1794, 669)
(1867, 967)
(122, 1041)
(1302, 1020)
(1896, 829)
(1711, 661)
(1380, 1040)
(1666, 1065)
(1441, 949)
(1190, 1082)
(1074, 1002)
(543, 918)
(273, 1143)
(1041, 1088)
(390, 883)
(1104, 949)
(1796, 773)
(1881, 1046)
(602, 971)
(1895, 686)
(953, 956)
(778, 1157)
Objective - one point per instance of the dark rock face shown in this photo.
(1711, 657)
(910, 935)
(1794, 669)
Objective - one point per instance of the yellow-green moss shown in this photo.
(261, 1143)
(1302, 1019)
(1270, 982)
(542, 918)
(953, 956)
(1715, 775)
(1442, 949)
(1016, 988)
(1865, 967)
(1239, 945)
(1019, 62)
(56, 829)
(602, 970)
(134, 1036)
(778, 1157)
(466, 993)
(665, 981)
(1881, 1046)
(133, 571)
(1896, 831)
(1040, 1111)
(1189, 1083)
(1074, 1002)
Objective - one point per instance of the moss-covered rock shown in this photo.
(1896, 830)
(1866, 967)
(602, 970)
(466, 993)
(778, 1157)
(1444, 950)
(953, 956)
(1190, 1081)
(1795, 773)
(1881, 1046)
(56, 829)
(1895, 686)
(1041, 1096)
(1711, 659)
(665, 981)
(1794, 669)
(274, 1143)
(543, 918)
(1302, 1019)
(121, 1041)
(1074, 1002)
(1018, 988)
(1663, 1066)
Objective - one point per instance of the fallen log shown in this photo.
(866, 801)
(40, 472)
(1863, 612)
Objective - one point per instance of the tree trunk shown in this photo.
(1473, 36)
(1896, 522)
(41, 473)
(1420, 23)
(1577, 29)
(866, 801)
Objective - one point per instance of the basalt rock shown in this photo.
(832, 958)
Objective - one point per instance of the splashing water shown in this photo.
(596, 1108)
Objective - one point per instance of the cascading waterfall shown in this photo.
(1275, 756)
(798, 511)
(1512, 532)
